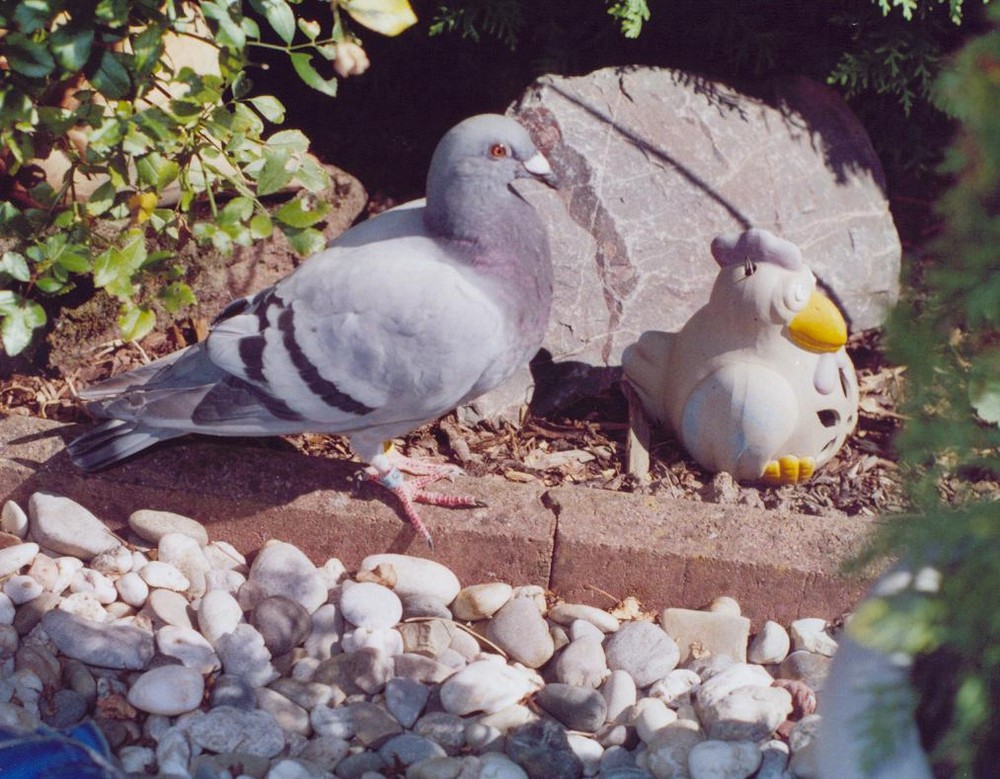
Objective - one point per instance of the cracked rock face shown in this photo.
(654, 163)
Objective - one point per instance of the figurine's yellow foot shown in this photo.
(789, 470)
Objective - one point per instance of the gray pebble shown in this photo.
(228, 729)
(283, 569)
(326, 627)
(447, 730)
(65, 709)
(405, 699)
(373, 725)
(370, 669)
(409, 748)
(582, 663)
(520, 630)
(809, 667)
(242, 652)
(578, 708)
(357, 765)
(325, 751)
(80, 679)
(421, 605)
(543, 750)
(642, 649)
(308, 695)
(99, 644)
(234, 692)
(30, 614)
(289, 715)
(282, 622)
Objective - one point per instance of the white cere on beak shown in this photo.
(538, 165)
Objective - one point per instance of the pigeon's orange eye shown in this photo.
(498, 151)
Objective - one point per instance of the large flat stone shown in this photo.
(654, 163)
(578, 542)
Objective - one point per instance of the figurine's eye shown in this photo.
(798, 296)
(749, 268)
(499, 151)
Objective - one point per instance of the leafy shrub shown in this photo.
(93, 86)
(948, 336)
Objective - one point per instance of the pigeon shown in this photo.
(398, 321)
(757, 382)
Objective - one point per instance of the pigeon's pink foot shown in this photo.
(386, 470)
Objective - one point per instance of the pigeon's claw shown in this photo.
(789, 470)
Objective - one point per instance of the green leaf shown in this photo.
(238, 209)
(280, 17)
(311, 29)
(293, 214)
(71, 46)
(312, 175)
(261, 226)
(15, 266)
(176, 296)
(230, 32)
(270, 108)
(302, 63)
(136, 322)
(112, 78)
(74, 261)
(101, 200)
(307, 241)
(19, 325)
(32, 15)
(389, 17)
(273, 175)
(26, 57)
(9, 300)
(147, 47)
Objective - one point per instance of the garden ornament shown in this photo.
(401, 319)
(757, 382)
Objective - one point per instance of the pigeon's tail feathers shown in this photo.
(137, 377)
(113, 441)
(645, 365)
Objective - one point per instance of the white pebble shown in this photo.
(13, 519)
(136, 759)
(132, 588)
(486, 686)
(724, 759)
(224, 579)
(388, 640)
(370, 605)
(649, 716)
(333, 572)
(810, 634)
(724, 604)
(113, 561)
(479, 601)
(85, 605)
(68, 568)
(14, 558)
(218, 614)
(168, 690)
(224, 556)
(160, 574)
(417, 575)
(89, 580)
(189, 646)
(588, 751)
(21, 589)
(676, 687)
(770, 645)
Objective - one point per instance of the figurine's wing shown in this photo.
(645, 364)
(738, 418)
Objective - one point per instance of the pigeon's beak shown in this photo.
(819, 327)
(538, 167)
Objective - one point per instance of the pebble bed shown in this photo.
(194, 663)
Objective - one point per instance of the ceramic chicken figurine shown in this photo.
(757, 382)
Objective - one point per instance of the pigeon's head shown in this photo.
(763, 276)
(485, 149)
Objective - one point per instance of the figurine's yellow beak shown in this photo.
(819, 327)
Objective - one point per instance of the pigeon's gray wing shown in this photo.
(383, 334)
